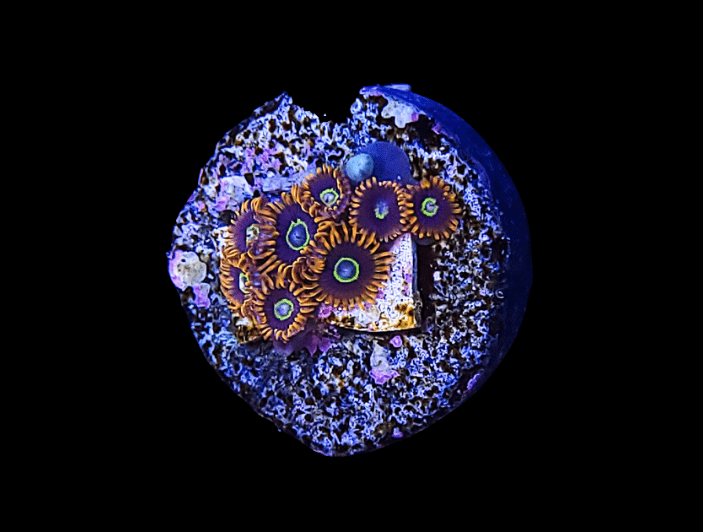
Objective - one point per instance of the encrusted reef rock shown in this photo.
(353, 282)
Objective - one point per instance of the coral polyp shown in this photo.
(347, 268)
(281, 311)
(434, 211)
(288, 231)
(234, 277)
(326, 192)
(379, 209)
(244, 230)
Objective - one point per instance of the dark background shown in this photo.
(189, 418)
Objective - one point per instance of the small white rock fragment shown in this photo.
(401, 113)
(187, 269)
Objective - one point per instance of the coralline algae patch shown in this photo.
(357, 379)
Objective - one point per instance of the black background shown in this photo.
(142, 397)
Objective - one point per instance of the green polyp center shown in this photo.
(329, 196)
(297, 236)
(346, 270)
(283, 309)
(381, 209)
(242, 282)
(252, 233)
(429, 207)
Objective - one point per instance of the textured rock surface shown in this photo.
(359, 391)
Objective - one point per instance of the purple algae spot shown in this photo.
(381, 376)
(201, 291)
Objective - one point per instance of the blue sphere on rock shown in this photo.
(359, 167)
(390, 163)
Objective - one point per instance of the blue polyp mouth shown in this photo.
(283, 309)
(329, 196)
(298, 236)
(252, 233)
(381, 209)
(242, 282)
(429, 207)
(346, 270)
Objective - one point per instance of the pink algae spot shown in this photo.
(315, 342)
(324, 311)
(173, 272)
(201, 295)
(201, 206)
(324, 344)
(221, 202)
(263, 158)
(381, 376)
(396, 341)
(473, 381)
(437, 128)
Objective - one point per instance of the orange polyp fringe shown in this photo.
(306, 307)
(338, 234)
(227, 281)
(255, 204)
(414, 223)
(268, 217)
(402, 199)
(304, 194)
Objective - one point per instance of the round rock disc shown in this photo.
(444, 307)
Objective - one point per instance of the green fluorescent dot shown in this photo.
(429, 207)
(283, 309)
(329, 196)
(297, 236)
(242, 281)
(381, 209)
(346, 270)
